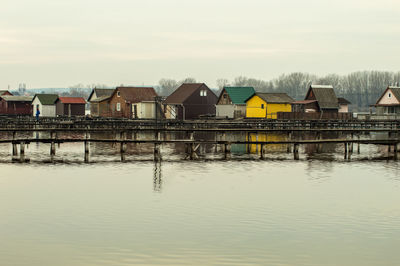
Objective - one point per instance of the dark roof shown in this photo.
(12, 98)
(274, 97)
(136, 94)
(46, 99)
(101, 93)
(100, 99)
(72, 100)
(239, 95)
(325, 95)
(183, 92)
(343, 101)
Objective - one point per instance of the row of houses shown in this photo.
(45, 105)
(192, 101)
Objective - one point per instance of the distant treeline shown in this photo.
(361, 88)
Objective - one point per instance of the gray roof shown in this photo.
(325, 96)
(101, 93)
(275, 97)
(12, 98)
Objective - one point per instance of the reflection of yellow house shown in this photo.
(256, 148)
(267, 105)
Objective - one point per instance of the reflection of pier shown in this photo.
(192, 145)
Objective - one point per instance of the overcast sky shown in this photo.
(59, 43)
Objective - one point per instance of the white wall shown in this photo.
(225, 110)
(45, 110)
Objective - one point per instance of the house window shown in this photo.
(262, 106)
(389, 95)
(224, 96)
(118, 93)
(203, 93)
(118, 107)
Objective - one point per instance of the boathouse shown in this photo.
(98, 101)
(232, 101)
(324, 97)
(46, 104)
(389, 102)
(70, 106)
(343, 105)
(268, 105)
(132, 102)
(190, 101)
(15, 105)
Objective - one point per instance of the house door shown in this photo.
(135, 111)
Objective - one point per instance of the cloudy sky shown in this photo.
(59, 43)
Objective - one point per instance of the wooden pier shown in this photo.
(192, 132)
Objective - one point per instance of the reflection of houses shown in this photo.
(190, 101)
(98, 101)
(15, 105)
(267, 105)
(132, 102)
(70, 106)
(232, 101)
(389, 102)
(343, 105)
(45, 103)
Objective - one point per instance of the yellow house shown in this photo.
(267, 105)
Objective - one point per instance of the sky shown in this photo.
(60, 43)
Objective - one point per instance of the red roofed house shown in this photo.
(133, 102)
(70, 106)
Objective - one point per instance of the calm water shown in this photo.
(316, 211)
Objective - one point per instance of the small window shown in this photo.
(389, 95)
(118, 107)
(203, 93)
(118, 93)
(224, 96)
(262, 106)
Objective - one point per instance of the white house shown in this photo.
(45, 103)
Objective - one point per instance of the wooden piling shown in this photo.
(262, 156)
(157, 152)
(395, 151)
(52, 144)
(345, 150)
(289, 137)
(358, 145)
(14, 145)
(22, 151)
(227, 150)
(296, 151)
(86, 144)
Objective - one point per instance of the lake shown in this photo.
(320, 210)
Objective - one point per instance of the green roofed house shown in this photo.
(232, 101)
(45, 103)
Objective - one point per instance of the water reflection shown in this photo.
(157, 180)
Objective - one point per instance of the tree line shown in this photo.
(361, 88)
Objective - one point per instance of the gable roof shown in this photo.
(395, 91)
(12, 98)
(100, 93)
(2, 92)
(238, 95)
(46, 99)
(325, 95)
(273, 97)
(136, 94)
(183, 92)
(72, 100)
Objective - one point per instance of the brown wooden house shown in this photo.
(127, 102)
(190, 101)
(70, 106)
(15, 105)
(99, 105)
(320, 99)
